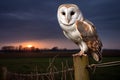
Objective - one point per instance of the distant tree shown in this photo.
(54, 48)
(20, 47)
(8, 48)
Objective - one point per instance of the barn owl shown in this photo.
(80, 30)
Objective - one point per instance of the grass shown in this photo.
(27, 65)
(108, 73)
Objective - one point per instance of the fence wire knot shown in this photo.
(92, 67)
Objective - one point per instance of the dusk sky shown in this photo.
(34, 22)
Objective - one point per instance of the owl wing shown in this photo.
(90, 37)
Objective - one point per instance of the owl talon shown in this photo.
(79, 54)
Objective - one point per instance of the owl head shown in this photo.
(68, 14)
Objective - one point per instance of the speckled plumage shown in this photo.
(80, 30)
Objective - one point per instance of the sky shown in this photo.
(34, 22)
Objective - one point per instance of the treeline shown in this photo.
(111, 52)
(24, 49)
(37, 50)
(38, 53)
(49, 53)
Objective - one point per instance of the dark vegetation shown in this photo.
(49, 53)
(25, 61)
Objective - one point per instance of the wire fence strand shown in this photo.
(107, 64)
(93, 67)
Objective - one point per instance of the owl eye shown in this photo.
(63, 13)
(72, 13)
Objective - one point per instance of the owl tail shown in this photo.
(97, 56)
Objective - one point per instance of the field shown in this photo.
(27, 65)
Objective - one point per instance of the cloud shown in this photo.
(22, 20)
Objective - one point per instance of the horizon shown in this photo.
(45, 48)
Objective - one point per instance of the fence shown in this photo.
(81, 71)
(38, 76)
(52, 73)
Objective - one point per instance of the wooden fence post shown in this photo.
(80, 71)
(4, 71)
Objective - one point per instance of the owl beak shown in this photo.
(68, 19)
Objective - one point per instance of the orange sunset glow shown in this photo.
(29, 45)
(42, 44)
